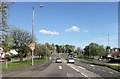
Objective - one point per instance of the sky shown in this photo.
(76, 23)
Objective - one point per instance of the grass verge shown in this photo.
(20, 65)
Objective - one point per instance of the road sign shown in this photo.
(32, 46)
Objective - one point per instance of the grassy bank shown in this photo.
(20, 65)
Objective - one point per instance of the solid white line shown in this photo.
(81, 67)
(84, 75)
(74, 69)
(60, 67)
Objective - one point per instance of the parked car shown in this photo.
(58, 60)
(2, 59)
(71, 60)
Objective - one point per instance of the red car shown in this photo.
(2, 59)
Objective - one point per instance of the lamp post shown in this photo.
(33, 29)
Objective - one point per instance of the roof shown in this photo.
(116, 53)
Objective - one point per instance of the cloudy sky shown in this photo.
(77, 23)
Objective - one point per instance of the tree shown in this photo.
(7, 46)
(40, 50)
(79, 51)
(69, 48)
(94, 49)
(59, 48)
(22, 40)
(4, 7)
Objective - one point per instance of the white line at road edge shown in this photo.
(60, 67)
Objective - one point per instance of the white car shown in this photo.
(71, 60)
(58, 60)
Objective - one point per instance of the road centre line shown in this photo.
(81, 67)
(93, 68)
(84, 75)
(92, 65)
(111, 72)
(98, 69)
(60, 67)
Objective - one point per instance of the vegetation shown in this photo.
(21, 65)
(22, 41)
(4, 27)
(94, 49)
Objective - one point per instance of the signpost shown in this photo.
(32, 47)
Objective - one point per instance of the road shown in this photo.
(64, 70)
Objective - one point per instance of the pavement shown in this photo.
(64, 70)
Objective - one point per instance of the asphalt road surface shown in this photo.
(78, 70)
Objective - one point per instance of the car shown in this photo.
(58, 60)
(71, 60)
(2, 59)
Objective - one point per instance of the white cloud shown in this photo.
(86, 31)
(46, 32)
(73, 29)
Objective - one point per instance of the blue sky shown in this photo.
(76, 23)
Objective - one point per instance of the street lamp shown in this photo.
(33, 27)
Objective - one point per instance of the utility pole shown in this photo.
(108, 44)
(108, 39)
(32, 31)
(33, 44)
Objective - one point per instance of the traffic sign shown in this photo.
(32, 46)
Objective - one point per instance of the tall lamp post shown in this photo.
(33, 29)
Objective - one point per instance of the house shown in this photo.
(116, 54)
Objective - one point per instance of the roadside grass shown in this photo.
(21, 65)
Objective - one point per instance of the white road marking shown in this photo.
(98, 69)
(92, 65)
(111, 72)
(103, 70)
(84, 75)
(93, 68)
(74, 69)
(60, 67)
(81, 67)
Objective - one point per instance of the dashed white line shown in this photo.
(92, 65)
(103, 70)
(98, 69)
(81, 67)
(84, 75)
(60, 67)
(111, 72)
(93, 68)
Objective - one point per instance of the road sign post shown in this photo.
(32, 47)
